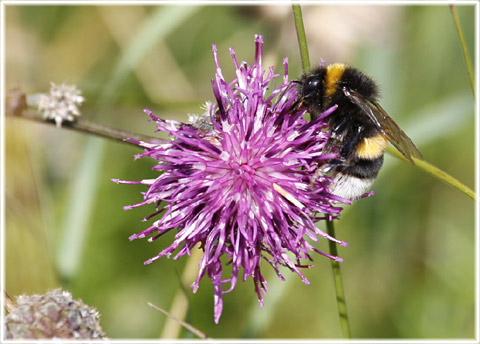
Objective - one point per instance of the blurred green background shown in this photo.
(409, 269)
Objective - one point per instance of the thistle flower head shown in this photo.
(241, 187)
(61, 104)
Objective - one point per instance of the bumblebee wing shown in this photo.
(385, 124)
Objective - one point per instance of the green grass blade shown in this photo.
(161, 23)
(463, 44)
(80, 205)
(81, 200)
(436, 173)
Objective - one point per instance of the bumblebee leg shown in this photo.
(339, 127)
(325, 170)
(351, 141)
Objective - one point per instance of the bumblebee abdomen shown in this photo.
(353, 180)
(349, 187)
(355, 176)
(363, 168)
(371, 147)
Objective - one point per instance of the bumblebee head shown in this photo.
(311, 89)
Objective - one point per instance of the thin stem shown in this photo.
(463, 44)
(180, 304)
(337, 274)
(302, 38)
(337, 277)
(436, 172)
(189, 327)
(88, 127)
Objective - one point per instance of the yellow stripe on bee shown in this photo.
(371, 147)
(334, 74)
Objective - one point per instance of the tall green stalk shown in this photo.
(337, 278)
(337, 274)
(302, 38)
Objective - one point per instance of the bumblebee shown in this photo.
(359, 127)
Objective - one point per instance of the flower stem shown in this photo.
(85, 126)
(302, 38)
(463, 44)
(436, 172)
(337, 277)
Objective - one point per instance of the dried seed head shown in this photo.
(52, 315)
(61, 104)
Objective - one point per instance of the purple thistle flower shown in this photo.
(241, 187)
